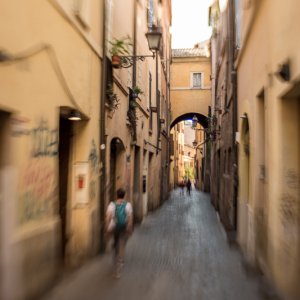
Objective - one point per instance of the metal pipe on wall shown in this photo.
(102, 137)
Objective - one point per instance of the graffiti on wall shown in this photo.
(38, 183)
(289, 204)
(94, 163)
(289, 210)
(93, 157)
(44, 140)
(37, 190)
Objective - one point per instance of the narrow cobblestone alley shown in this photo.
(179, 252)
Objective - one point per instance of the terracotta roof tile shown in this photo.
(188, 52)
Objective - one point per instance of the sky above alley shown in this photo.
(190, 22)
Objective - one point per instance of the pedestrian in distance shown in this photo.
(119, 223)
(181, 186)
(189, 186)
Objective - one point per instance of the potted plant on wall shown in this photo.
(111, 98)
(136, 91)
(132, 117)
(118, 48)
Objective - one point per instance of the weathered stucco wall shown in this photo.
(273, 201)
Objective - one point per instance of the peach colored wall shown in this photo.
(268, 40)
(185, 99)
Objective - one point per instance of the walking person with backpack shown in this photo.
(119, 221)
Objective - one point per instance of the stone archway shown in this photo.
(203, 120)
(193, 153)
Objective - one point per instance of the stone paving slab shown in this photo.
(179, 252)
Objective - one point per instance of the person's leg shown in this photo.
(120, 254)
(116, 252)
(122, 245)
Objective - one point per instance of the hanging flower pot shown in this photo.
(116, 61)
(118, 48)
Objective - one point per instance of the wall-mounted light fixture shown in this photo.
(283, 73)
(75, 116)
(195, 143)
(194, 122)
(153, 37)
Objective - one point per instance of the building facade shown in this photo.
(267, 65)
(57, 175)
(223, 119)
(49, 170)
(191, 97)
(136, 130)
(269, 153)
(176, 155)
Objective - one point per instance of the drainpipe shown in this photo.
(134, 44)
(234, 110)
(157, 101)
(134, 137)
(102, 180)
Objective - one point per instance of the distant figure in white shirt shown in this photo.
(119, 221)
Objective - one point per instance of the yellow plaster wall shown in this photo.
(184, 98)
(65, 73)
(269, 44)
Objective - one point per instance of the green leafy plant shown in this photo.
(137, 90)
(132, 117)
(112, 99)
(120, 46)
(189, 172)
(132, 104)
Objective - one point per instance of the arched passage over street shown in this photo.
(189, 116)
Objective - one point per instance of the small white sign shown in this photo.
(237, 137)
(81, 182)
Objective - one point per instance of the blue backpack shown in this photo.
(121, 216)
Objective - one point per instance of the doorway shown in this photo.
(151, 178)
(218, 173)
(136, 186)
(261, 230)
(289, 198)
(65, 136)
(117, 167)
(246, 233)
(4, 161)
(145, 183)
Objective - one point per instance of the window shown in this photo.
(238, 22)
(150, 13)
(196, 80)
(149, 102)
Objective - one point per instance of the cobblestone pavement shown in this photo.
(178, 253)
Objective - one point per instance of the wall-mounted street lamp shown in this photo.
(195, 143)
(75, 116)
(153, 37)
(283, 72)
(195, 122)
(210, 131)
